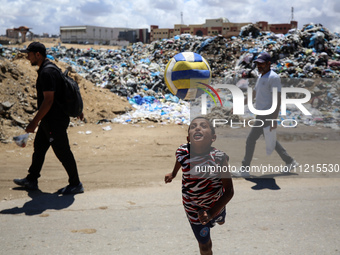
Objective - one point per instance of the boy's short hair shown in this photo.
(209, 123)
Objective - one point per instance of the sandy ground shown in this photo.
(139, 155)
(126, 156)
(127, 208)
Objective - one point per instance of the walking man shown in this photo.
(53, 124)
(267, 80)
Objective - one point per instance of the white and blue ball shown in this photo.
(184, 73)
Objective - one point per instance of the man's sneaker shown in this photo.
(68, 190)
(241, 173)
(30, 185)
(290, 166)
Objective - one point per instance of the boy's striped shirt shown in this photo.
(200, 189)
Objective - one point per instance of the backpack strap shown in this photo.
(53, 66)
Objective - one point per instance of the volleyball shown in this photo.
(184, 73)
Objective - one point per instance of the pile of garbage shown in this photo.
(250, 30)
(165, 110)
(303, 58)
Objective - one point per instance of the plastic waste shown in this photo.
(21, 140)
(270, 138)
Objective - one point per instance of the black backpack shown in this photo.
(71, 102)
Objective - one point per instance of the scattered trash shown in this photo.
(21, 140)
(107, 128)
(270, 138)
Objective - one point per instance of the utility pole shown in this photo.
(292, 14)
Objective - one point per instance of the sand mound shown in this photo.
(18, 97)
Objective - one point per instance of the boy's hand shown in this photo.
(204, 216)
(168, 178)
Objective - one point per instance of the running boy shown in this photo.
(206, 182)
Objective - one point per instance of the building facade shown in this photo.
(213, 27)
(276, 28)
(19, 33)
(102, 35)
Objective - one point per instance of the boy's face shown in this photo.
(200, 133)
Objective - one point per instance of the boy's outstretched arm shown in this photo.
(168, 177)
(206, 216)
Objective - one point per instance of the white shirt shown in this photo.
(264, 87)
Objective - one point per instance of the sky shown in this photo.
(46, 16)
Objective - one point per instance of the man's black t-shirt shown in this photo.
(49, 79)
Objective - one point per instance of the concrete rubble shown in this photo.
(306, 58)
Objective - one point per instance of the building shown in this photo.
(213, 27)
(102, 35)
(19, 33)
(277, 28)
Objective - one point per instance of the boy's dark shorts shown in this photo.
(202, 232)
